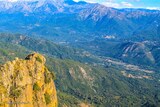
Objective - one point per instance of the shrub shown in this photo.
(47, 78)
(47, 98)
(53, 76)
(30, 73)
(15, 92)
(39, 59)
(21, 78)
(36, 87)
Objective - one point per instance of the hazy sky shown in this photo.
(128, 3)
(151, 4)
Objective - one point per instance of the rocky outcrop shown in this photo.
(27, 83)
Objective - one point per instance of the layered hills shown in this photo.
(89, 81)
(101, 56)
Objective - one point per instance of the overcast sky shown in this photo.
(150, 4)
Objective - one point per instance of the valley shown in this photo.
(77, 79)
(100, 56)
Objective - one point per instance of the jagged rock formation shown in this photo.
(27, 83)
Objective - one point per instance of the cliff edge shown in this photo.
(27, 83)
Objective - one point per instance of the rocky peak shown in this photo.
(27, 83)
(35, 57)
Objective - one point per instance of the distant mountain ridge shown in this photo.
(62, 20)
(31, 6)
(101, 56)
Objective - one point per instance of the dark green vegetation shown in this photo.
(140, 53)
(47, 98)
(47, 47)
(100, 55)
(81, 78)
(101, 30)
(15, 92)
(78, 21)
(48, 78)
(67, 99)
(36, 87)
(38, 59)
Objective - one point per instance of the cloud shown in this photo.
(126, 4)
(12, 0)
(89, 1)
(111, 4)
(109, 0)
(76, 0)
(118, 5)
(153, 8)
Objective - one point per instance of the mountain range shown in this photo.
(65, 19)
(101, 56)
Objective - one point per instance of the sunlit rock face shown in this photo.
(27, 83)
